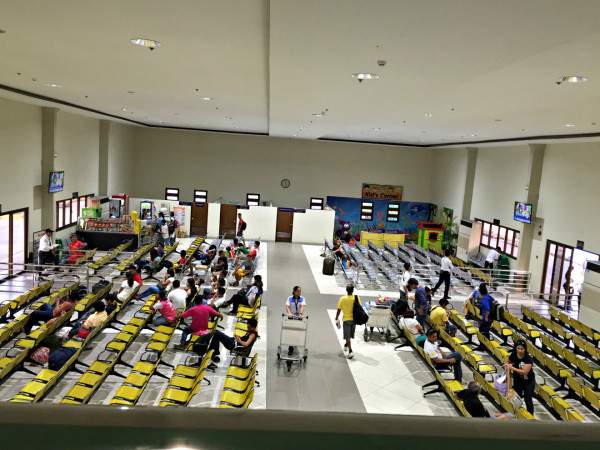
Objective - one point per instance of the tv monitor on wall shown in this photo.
(57, 181)
(523, 212)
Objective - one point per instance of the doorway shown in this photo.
(228, 221)
(559, 257)
(285, 223)
(199, 223)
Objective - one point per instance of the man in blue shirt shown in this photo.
(422, 306)
(486, 303)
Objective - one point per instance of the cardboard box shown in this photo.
(180, 233)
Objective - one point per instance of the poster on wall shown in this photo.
(179, 212)
(447, 216)
(348, 224)
(382, 192)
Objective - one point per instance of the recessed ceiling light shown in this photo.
(428, 115)
(376, 129)
(206, 98)
(318, 115)
(227, 117)
(123, 109)
(148, 43)
(421, 140)
(131, 92)
(472, 135)
(497, 120)
(569, 125)
(571, 79)
(52, 85)
(365, 76)
(160, 121)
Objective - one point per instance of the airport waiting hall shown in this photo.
(268, 158)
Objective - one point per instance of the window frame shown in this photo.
(365, 205)
(317, 205)
(168, 195)
(10, 272)
(395, 210)
(502, 231)
(254, 201)
(197, 197)
(61, 213)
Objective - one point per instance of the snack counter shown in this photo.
(106, 234)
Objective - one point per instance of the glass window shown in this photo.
(18, 239)
(502, 238)
(494, 236)
(393, 212)
(515, 252)
(74, 210)
(316, 203)
(60, 215)
(252, 199)
(200, 196)
(509, 241)
(4, 246)
(485, 234)
(172, 194)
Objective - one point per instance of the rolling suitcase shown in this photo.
(328, 265)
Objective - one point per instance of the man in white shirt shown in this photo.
(445, 273)
(492, 257)
(178, 297)
(47, 250)
(440, 358)
(405, 277)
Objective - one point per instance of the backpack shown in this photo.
(97, 287)
(360, 315)
(172, 225)
(59, 358)
(243, 226)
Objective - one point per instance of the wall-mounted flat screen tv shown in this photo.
(57, 181)
(523, 212)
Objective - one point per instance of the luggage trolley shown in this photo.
(379, 317)
(293, 334)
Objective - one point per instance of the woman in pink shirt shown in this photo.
(165, 312)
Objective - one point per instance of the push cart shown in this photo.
(379, 317)
(293, 337)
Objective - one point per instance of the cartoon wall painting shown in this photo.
(348, 224)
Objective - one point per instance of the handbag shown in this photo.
(41, 355)
(83, 333)
(511, 394)
(359, 314)
(500, 384)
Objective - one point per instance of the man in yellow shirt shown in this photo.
(439, 316)
(92, 321)
(346, 306)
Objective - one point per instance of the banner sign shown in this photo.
(382, 192)
(179, 212)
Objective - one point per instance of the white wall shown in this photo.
(447, 176)
(261, 222)
(21, 151)
(121, 159)
(200, 160)
(313, 226)
(568, 200)
(213, 221)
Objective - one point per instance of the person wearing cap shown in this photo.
(47, 250)
(47, 312)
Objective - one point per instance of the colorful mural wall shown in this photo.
(347, 217)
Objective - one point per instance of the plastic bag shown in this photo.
(41, 355)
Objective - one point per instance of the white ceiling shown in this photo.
(480, 67)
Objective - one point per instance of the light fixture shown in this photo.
(472, 135)
(317, 114)
(148, 43)
(228, 118)
(376, 129)
(571, 79)
(365, 76)
(52, 85)
(123, 109)
(161, 121)
(131, 92)
(206, 99)
(569, 125)
(428, 115)
(497, 120)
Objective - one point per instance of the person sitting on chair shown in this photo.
(152, 263)
(73, 246)
(243, 271)
(166, 313)
(473, 405)
(248, 298)
(199, 325)
(231, 342)
(47, 312)
(440, 316)
(92, 321)
(440, 358)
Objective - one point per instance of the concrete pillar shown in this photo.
(103, 157)
(469, 182)
(49, 118)
(536, 163)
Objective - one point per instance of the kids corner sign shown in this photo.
(382, 192)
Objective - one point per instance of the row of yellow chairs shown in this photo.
(134, 384)
(191, 249)
(88, 256)
(544, 322)
(112, 254)
(96, 372)
(238, 390)
(497, 326)
(47, 378)
(15, 355)
(587, 332)
(558, 404)
(185, 382)
(21, 300)
(137, 255)
(583, 393)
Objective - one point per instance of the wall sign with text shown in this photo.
(382, 191)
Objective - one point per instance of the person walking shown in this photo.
(346, 306)
(520, 363)
(240, 228)
(294, 306)
(445, 272)
(47, 250)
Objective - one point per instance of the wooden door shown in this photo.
(228, 221)
(557, 260)
(199, 219)
(285, 222)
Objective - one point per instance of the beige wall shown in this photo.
(121, 158)
(21, 152)
(229, 166)
(447, 177)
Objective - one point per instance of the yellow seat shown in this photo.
(144, 367)
(116, 346)
(178, 396)
(230, 399)
(454, 385)
(121, 401)
(186, 371)
(127, 394)
(585, 367)
(573, 415)
(591, 396)
(182, 383)
(89, 379)
(157, 346)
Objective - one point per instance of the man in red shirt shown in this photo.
(199, 325)
(136, 275)
(240, 228)
(74, 245)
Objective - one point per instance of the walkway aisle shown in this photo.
(325, 383)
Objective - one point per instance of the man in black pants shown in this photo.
(445, 272)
